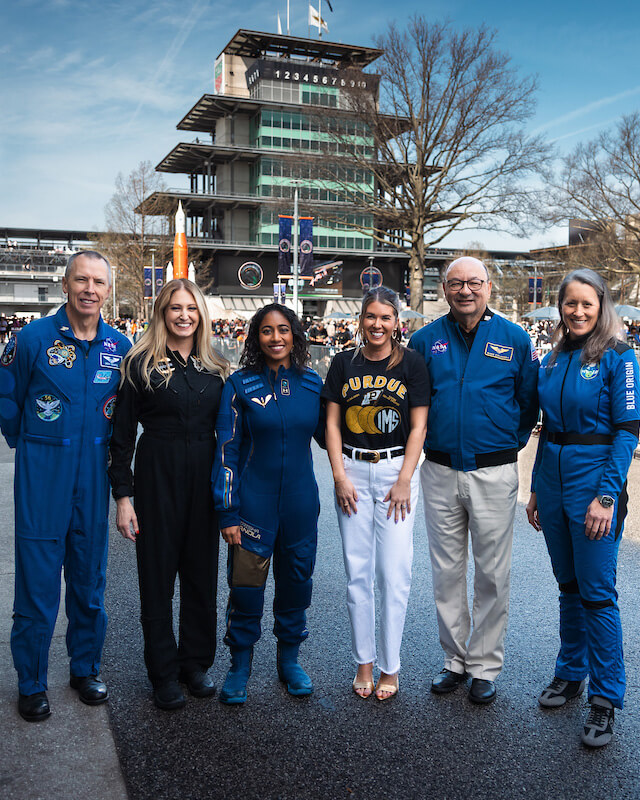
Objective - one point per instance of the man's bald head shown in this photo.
(466, 261)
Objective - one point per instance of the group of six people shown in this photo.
(232, 452)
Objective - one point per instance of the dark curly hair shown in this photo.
(252, 356)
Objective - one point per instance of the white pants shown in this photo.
(481, 503)
(377, 548)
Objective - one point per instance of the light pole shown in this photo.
(295, 249)
(114, 269)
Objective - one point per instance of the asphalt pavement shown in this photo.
(333, 744)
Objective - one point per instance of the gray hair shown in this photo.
(92, 254)
(475, 261)
(607, 329)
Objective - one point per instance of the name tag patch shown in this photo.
(500, 351)
(110, 361)
(102, 376)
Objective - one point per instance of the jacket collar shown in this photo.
(61, 321)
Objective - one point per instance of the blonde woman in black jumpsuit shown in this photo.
(171, 385)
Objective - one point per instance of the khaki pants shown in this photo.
(481, 503)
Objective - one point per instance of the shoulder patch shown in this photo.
(9, 352)
(107, 408)
(502, 352)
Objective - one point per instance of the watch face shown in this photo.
(606, 501)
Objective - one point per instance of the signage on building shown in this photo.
(218, 75)
(312, 74)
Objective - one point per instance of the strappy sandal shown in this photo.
(391, 688)
(363, 685)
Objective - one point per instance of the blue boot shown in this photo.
(290, 672)
(234, 690)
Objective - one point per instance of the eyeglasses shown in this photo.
(474, 284)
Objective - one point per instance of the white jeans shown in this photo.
(377, 548)
(482, 503)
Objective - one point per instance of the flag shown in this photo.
(279, 25)
(284, 245)
(315, 19)
(306, 245)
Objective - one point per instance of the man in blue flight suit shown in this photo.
(483, 372)
(58, 381)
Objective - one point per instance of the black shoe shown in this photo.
(598, 729)
(168, 696)
(482, 691)
(446, 681)
(34, 707)
(91, 689)
(559, 691)
(198, 683)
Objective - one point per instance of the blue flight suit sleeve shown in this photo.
(625, 412)
(225, 473)
(527, 393)
(16, 364)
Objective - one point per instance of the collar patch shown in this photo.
(500, 351)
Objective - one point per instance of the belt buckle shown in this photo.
(375, 457)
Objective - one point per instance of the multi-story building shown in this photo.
(268, 127)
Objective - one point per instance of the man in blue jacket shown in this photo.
(483, 372)
(58, 381)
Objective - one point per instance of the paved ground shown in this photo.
(332, 745)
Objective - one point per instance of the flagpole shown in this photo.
(320, 19)
(287, 17)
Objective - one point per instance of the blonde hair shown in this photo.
(380, 294)
(151, 349)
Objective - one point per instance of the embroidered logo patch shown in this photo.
(197, 364)
(60, 353)
(110, 361)
(284, 387)
(500, 351)
(107, 408)
(589, 371)
(439, 347)
(110, 345)
(534, 354)
(9, 353)
(165, 367)
(261, 401)
(48, 407)
(102, 376)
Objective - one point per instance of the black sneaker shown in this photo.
(598, 729)
(559, 691)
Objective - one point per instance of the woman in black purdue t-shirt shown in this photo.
(377, 402)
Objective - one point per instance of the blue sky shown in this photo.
(90, 89)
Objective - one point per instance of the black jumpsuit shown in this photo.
(174, 506)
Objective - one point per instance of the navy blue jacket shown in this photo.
(483, 400)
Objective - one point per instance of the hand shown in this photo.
(346, 496)
(597, 522)
(399, 499)
(532, 512)
(126, 520)
(232, 534)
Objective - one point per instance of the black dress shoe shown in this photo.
(446, 681)
(168, 696)
(34, 707)
(91, 689)
(198, 683)
(482, 691)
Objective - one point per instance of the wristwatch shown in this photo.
(605, 500)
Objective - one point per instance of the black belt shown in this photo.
(494, 459)
(567, 437)
(371, 455)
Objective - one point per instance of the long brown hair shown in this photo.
(151, 349)
(380, 294)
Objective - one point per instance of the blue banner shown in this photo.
(148, 292)
(284, 245)
(306, 245)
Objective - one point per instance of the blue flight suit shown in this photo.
(263, 481)
(590, 432)
(57, 395)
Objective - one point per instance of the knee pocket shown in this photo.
(248, 569)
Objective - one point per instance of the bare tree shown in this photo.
(600, 182)
(131, 235)
(445, 144)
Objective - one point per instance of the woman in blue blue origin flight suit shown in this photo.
(588, 388)
(266, 494)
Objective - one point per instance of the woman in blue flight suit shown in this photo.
(266, 495)
(589, 394)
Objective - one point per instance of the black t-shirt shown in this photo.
(375, 402)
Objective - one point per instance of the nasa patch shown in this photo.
(48, 407)
(60, 353)
(589, 371)
(500, 351)
(439, 347)
(110, 361)
(110, 345)
(9, 352)
(107, 408)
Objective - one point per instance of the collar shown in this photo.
(575, 344)
(486, 316)
(61, 321)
